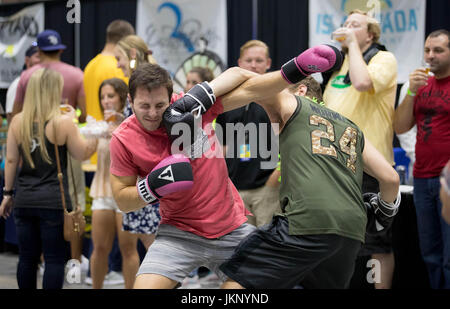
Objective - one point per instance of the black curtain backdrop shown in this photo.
(437, 15)
(239, 27)
(282, 24)
(98, 14)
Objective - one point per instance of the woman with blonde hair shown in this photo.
(38, 210)
(130, 52)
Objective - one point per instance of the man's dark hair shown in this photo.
(117, 30)
(51, 53)
(150, 76)
(439, 32)
(314, 89)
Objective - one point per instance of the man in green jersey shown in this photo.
(316, 238)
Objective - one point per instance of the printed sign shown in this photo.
(402, 26)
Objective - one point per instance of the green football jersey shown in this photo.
(322, 172)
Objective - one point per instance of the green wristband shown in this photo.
(410, 93)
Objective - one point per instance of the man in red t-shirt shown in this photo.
(428, 106)
(212, 211)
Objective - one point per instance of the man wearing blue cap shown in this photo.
(50, 50)
(31, 58)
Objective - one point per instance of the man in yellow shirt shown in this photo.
(104, 66)
(363, 90)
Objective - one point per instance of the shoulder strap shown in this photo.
(69, 158)
(58, 164)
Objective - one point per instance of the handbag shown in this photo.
(74, 221)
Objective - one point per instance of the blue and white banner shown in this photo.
(177, 31)
(17, 33)
(402, 26)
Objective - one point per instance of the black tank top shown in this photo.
(39, 186)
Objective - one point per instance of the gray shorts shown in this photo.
(176, 253)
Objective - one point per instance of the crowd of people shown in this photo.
(218, 206)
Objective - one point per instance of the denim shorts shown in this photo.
(176, 253)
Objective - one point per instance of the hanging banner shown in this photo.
(183, 34)
(402, 26)
(17, 33)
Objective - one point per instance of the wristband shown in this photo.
(410, 93)
(391, 207)
(8, 192)
(292, 73)
(145, 192)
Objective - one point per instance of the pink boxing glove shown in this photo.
(316, 59)
(173, 174)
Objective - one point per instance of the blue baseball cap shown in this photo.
(49, 40)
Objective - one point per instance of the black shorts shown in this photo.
(270, 258)
(382, 242)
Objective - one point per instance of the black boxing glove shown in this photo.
(197, 100)
(380, 214)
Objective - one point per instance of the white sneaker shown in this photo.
(84, 264)
(191, 283)
(41, 269)
(113, 278)
(88, 280)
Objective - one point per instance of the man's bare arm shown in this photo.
(404, 114)
(259, 88)
(81, 104)
(376, 166)
(125, 193)
(229, 80)
(358, 69)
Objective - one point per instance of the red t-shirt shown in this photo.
(73, 81)
(432, 113)
(212, 208)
